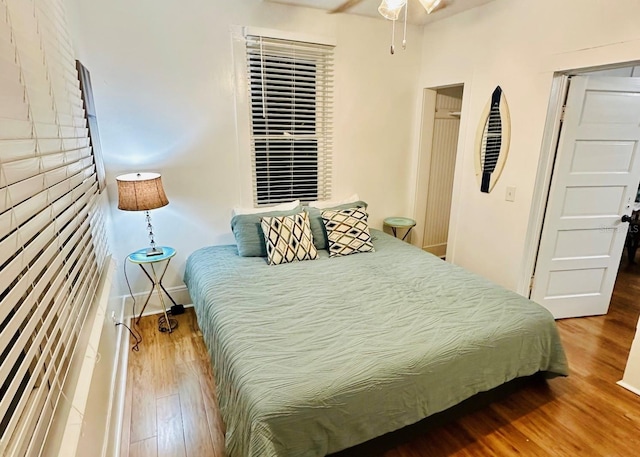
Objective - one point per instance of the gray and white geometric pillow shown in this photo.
(347, 231)
(288, 238)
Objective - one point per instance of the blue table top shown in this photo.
(140, 256)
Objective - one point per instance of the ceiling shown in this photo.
(417, 14)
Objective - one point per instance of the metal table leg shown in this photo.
(406, 234)
(156, 282)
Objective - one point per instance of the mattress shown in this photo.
(314, 357)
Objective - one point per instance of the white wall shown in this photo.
(517, 44)
(163, 82)
(631, 378)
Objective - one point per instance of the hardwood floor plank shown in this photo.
(590, 410)
(207, 386)
(197, 437)
(164, 361)
(499, 436)
(143, 372)
(170, 427)
(144, 448)
(184, 350)
(562, 429)
(125, 438)
(540, 430)
(190, 323)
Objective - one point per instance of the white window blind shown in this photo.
(291, 96)
(52, 236)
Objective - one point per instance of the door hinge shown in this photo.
(562, 113)
(531, 283)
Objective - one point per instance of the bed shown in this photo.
(317, 356)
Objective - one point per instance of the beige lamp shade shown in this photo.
(140, 192)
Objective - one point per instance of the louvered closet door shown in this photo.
(52, 240)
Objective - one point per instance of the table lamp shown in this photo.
(142, 192)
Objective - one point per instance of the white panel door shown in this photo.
(594, 184)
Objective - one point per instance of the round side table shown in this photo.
(141, 258)
(402, 223)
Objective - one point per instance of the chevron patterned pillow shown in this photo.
(288, 238)
(347, 231)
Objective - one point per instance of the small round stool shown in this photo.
(404, 223)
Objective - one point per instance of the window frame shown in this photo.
(247, 186)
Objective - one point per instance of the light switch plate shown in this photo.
(511, 194)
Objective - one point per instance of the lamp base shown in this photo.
(154, 251)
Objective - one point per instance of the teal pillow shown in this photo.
(248, 233)
(317, 226)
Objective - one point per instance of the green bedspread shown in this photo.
(314, 357)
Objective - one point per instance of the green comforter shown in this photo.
(313, 357)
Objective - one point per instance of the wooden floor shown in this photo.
(170, 407)
(171, 411)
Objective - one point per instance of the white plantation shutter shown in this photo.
(291, 97)
(52, 236)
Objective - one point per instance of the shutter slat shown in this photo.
(15, 129)
(64, 350)
(31, 355)
(57, 186)
(273, 51)
(42, 265)
(13, 297)
(305, 78)
(17, 322)
(273, 85)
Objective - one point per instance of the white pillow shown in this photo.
(265, 209)
(320, 204)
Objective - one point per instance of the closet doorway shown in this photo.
(441, 110)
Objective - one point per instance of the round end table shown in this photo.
(403, 223)
(141, 258)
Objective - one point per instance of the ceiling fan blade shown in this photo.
(432, 5)
(345, 6)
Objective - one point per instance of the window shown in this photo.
(290, 92)
(52, 236)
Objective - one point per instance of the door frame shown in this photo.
(552, 130)
(425, 150)
(552, 127)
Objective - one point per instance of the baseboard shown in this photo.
(154, 312)
(112, 444)
(439, 250)
(180, 294)
(629, 387)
